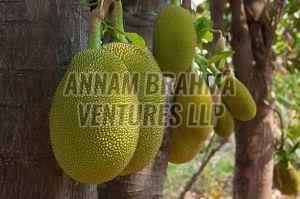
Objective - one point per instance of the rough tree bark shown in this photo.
(252, 37)
(139, 17)
(37, 39)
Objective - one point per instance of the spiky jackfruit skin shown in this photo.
(225, 123)
(174, 39)
(91, 154)
(140, 61)
(238, 99)
(186, 139)
(182, 148)
(286, 179)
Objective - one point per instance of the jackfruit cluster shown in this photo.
(286, 178)
(97, 154)
(174, 39)
(196, 118)
(141, 61)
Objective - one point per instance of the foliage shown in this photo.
(286, 82)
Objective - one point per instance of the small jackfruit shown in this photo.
(286, 179)
(220, 45)
(224, 123)
(174, 39)
(238, 99)
(141, 62)
(86, 142)
(196, 112)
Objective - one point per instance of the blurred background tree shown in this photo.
(270, 69)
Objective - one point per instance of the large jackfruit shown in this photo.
(224, 123)
(196, 118)
(286, 179)
(141, 62)
(92, 149)
(238, 99)
(174, 39)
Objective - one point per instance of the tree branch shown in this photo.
(241, 42)
(278, 7)
(282, 126)
(201, 168)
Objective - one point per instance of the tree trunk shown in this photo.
(37, 39)
(252, 37)
(139, 17)
(217, 8)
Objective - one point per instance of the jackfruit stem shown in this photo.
(218, 32)
(282, 127)
(117, 19)
(100, 7)
(202, 166)
(96, 26)
(95, 31)
(175, 2)
(213, 69)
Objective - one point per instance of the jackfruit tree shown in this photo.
(251, 62)
(47, 35)
(254, 53)
(78, 122)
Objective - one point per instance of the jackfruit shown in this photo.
(238, 99)
(286, 178)
(174, 39)
(141, 62)
(195, 107)
(224, 123)
(97, 150)
(220, 45)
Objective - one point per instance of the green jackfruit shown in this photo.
(286, 179)
(238, 99)
(141, 62)
(220, 45)
(86, 142)
(225, 123)
(196, 112)
(174, 39)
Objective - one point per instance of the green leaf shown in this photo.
(136, 39)
(200, 60)
(293, 150)
(222, 63)
(202, 25)
(221, 56)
